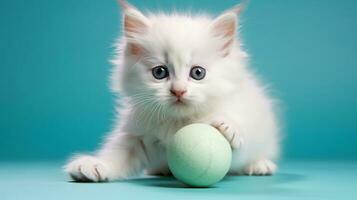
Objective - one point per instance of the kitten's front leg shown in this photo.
(120, 158)
(233, 135)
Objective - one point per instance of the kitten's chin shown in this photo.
(181, 109)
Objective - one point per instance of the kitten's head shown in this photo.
(177, 64)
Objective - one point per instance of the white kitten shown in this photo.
(174, 70)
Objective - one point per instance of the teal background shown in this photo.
(54, 67)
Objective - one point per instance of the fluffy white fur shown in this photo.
(229, 98)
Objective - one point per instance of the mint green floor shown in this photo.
(296, 180)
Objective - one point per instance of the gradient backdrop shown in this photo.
(54, 67)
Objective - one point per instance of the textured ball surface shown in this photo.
(199, 155)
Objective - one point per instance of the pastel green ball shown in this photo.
(198, 155)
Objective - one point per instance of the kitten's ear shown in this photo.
(135, 23)
(224, 27)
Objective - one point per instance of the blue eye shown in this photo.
(198, 73)
(160, 72)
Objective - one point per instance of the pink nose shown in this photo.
(178, 93)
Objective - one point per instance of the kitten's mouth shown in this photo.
(181, 108)
(179, 102)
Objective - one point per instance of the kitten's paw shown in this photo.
(87, 169)
(232, 135)
(260, 168)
